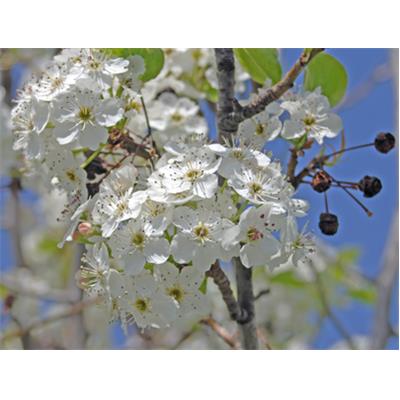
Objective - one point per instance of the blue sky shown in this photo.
(362, 122)
(373, 114)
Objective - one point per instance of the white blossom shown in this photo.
(183, 287)
(255, 234)
(83, 116)
(200, 236)
(118, 201)
(146, 303)
(95, 270)
(193, 172)
(260, 185)
(311, 115)
(263, 127)
(136, 243)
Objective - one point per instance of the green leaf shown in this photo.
(348, 256)
(366, 295)
(153, 59)
(48, 244)
(149, 267)
(299, 142)
(3, 291)
(328, 73)
(203, 286)
(261, 64)
(199, 81)
(287, 278)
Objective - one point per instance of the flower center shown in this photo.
(155, 209)
(177, 293)
(71, 175)
(201, 231)
(57, 83)
(121, 207)
(260, 129)
(142, 305)
(254, 234)
(176, 117)
(193, 174)
(85, 114)
(309, 121)
(138, 239)
(238, 154)
(255, 187)
(134, 105)
(94, 65)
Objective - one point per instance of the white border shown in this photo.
(199, 23)
(202, 375)
(205, 375)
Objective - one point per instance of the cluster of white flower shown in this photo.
(159, 218)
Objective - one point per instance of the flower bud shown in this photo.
(321, 182)
(85, 228)
(328, 223)
(384, 142)
(370, 185)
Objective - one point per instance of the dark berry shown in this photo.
(384, 142)
(370, 186)
(328, 223)
(321, 182)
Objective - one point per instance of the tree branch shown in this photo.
(291, 170)
(67, 312)
(227, 126)
(55, 295)
(276, 91)
(226, 85)
(246, 303)
(221, 280)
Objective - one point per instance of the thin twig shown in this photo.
(67, 312)
(276, 91)
(360, 146)
(263, 338)
(292, 165)
(221, 332)
(15, 189)
(146, 116)
(58, 296)
(262, 293)
(369, 213)
(184, 337)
